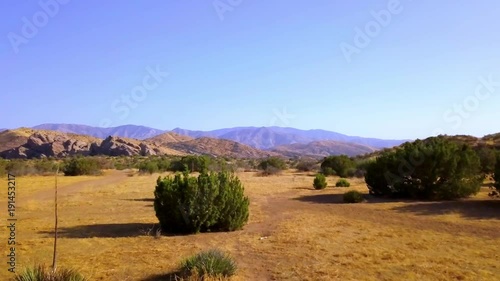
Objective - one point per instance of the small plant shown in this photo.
(353, 196)
(41, 273)
(342, 183)
(212, 263)
(320, 182)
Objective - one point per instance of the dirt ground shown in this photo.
(107, 231)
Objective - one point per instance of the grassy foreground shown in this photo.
(107, 227)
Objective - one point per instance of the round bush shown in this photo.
(213, 263)
(210, 202)
(353, 196)
(320, 182)
(342, 183)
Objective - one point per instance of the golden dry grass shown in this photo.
(294, 232)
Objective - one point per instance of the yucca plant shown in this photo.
(211, 263)
(41, 273)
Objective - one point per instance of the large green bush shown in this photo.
(435, 169)
(211, 263)
(77, 166)
(320, 182)
(191, 163)
(210, 202)
(342, 165)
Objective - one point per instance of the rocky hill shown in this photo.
(219, 148)
(169, 137)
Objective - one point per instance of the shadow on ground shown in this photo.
(106, 230)
(141, 200)
(322, 198)
(162, 277)
(471, 209)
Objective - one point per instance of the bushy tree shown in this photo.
(342, 165)
(436, 169)
(210, 202)
(320, 182)
(496, 175)
(488, 159)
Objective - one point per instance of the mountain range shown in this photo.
(257, 137)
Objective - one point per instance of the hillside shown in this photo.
(167, 138)
(322, 149)
(218, 148)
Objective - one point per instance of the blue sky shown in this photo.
(387, 69)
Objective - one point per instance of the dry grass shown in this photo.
(294, 233)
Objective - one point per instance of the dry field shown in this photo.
(294, 232)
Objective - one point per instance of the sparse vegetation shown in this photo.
(496, 175)
(342, 183)
(77, 166)
(41, 273)
(342, 165)
(211, 202)
(272, 166)
(320, 182)
(211, 263)
(306, 165)
(435, 169)
(353, 196)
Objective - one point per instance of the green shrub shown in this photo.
(212, 263)
(40, 273)
(342, 183)
(341, 164)
(150, 167)
(210, 202)
(327, 171)
(353, 196)
(320, 182)
(488, 159)
(77, 166)
(435, 169)
(272, 163)
(191, 163)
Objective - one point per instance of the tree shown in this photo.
(436, 169)
(496, 176)
(488, 159)
(272, 165)
(342, 165)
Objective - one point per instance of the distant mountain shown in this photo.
(126, 131)
(323, 149)
(167, 138)
(269, 137)
(257, 137)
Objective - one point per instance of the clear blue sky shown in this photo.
(250, 63)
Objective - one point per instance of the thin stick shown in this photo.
(54, 256)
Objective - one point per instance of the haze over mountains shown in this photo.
(257, 137)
